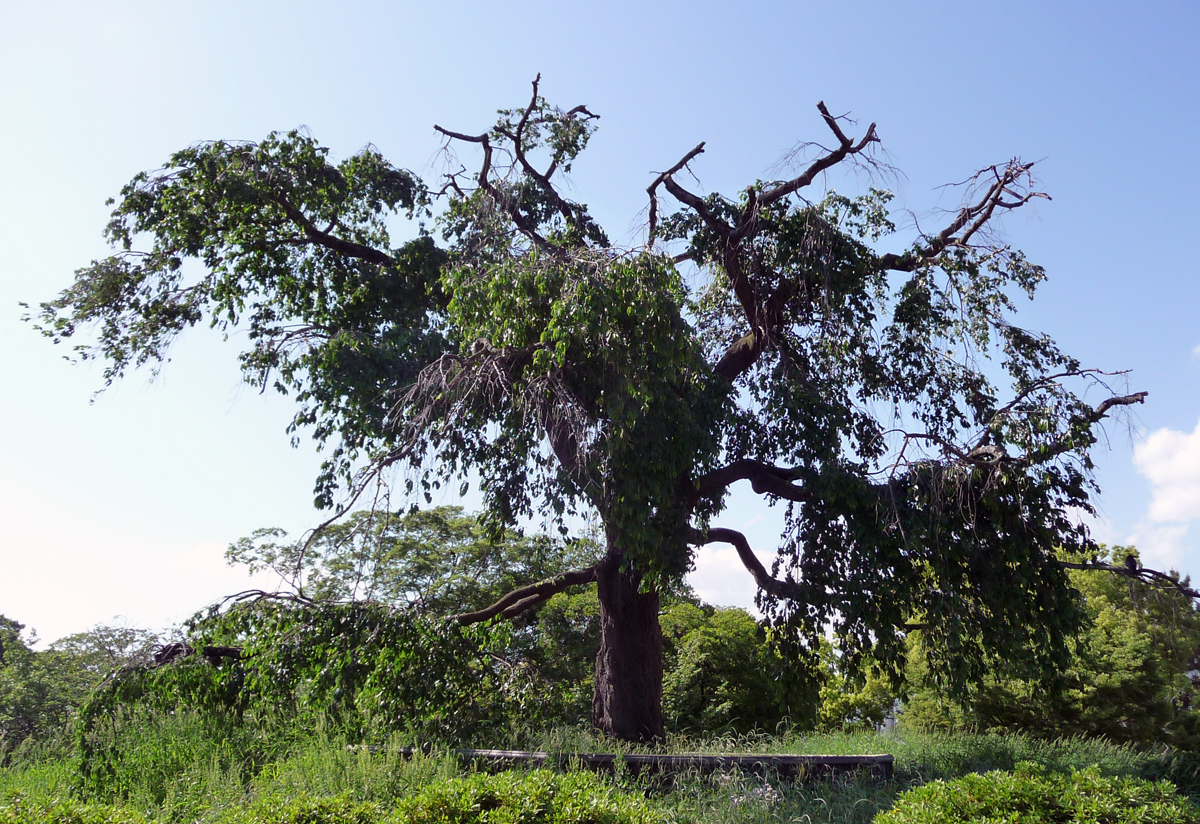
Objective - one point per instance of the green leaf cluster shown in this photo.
(41, 691)
(539, 797)
(1033, 795)
(1131, 676)
(365, 668)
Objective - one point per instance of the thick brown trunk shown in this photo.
(627, 702)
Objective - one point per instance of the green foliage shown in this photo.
(538, 797)
(319, 765)
(439, 561)
(226, 205)
(26, 703)
(1126, 679)
(851, 701)
(364, 667)
(65, 811)
(41, 691)
(305, 810)
(575, 376)
(1033, 795)
(182, 761)
(722, 675)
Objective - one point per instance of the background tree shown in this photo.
(928, 451)
(720, 672)
(1133, 674)
(42, 690)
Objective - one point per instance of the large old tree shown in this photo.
(927, 452)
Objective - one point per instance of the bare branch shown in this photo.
(760, 315)
(846, 148)
(772, 586)
(971, 218)
(764, 478)
(1159, 580)
(652, 189)
(523, 223)
(526, 597)
(518, 140)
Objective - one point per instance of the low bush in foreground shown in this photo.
(539, 797)
(1033, 795)
(174, 769)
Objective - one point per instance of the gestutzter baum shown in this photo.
(926, 450)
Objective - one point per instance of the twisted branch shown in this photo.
(768, 584)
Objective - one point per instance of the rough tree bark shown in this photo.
(627, 699)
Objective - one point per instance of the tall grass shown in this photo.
(192, 767)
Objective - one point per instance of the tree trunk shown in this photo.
(627, 702)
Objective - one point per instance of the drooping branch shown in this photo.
(764, 478)
(1152, 577)
(985, 454)
(768, 584)
(527, 597)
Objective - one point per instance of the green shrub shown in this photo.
(305, 809)
(538, 797)
(20, 810)
(1032, 795)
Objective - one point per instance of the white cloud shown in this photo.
(1171, 460)
(1162, 546)
(721, 579)
(1196, 351)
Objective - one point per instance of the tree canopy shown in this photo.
(929, 453)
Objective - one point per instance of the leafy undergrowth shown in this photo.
(1033, 795)
(539, 797)
(179, 771)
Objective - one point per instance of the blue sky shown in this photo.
(124, 506)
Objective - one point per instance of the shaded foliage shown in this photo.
(1133, 674)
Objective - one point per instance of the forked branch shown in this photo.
(652, 189)
(760, 307)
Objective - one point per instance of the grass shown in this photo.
(187, 768)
